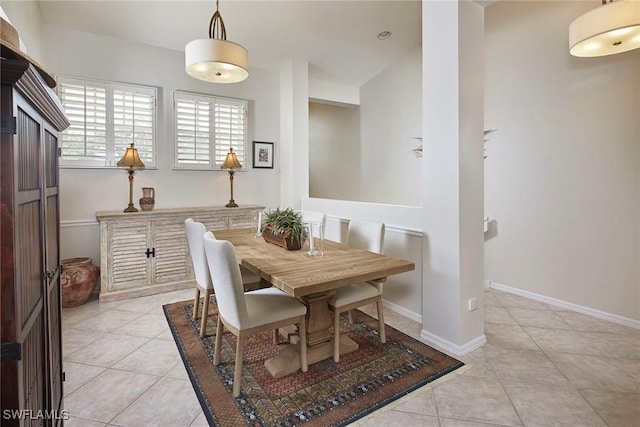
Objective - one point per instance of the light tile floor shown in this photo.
(541, 366)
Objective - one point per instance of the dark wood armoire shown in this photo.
(30, 306)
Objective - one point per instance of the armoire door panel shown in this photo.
(28, 260)
(50, 160)
(33, 365)
(52, 231)
(55, 342)
(28, 147)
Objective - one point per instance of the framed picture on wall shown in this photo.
(263, 154)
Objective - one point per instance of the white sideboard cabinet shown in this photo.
(146, 252)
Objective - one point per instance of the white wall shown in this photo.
(334, 152)
(563, 169)
(325, 91)
(365, 153)
(25, 18)
(403, 239)
(391, 119)
(85, 191)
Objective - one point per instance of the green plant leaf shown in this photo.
(286, 223)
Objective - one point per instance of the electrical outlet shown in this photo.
(473, 304)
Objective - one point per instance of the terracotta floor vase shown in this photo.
(77, 279)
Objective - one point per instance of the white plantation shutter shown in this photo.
(206, 126)
(193, 115)
(105, 118)
(134, 122)
(230, 129)
(84, 142)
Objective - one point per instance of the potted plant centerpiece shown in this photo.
(284, 227)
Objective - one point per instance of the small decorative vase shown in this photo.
(148, 198)
(77, 279)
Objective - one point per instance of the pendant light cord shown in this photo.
(216, 26)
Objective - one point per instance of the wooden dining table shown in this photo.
(313, 280)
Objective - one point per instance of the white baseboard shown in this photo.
(416, 317)
(452, 348)
(568, 305)
(435, 340)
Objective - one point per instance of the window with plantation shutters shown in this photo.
(206, 127)
(105, 119)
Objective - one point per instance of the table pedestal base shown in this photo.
(288, 360)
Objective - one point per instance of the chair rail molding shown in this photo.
(79, 223)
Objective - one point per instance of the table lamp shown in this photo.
(131, 161)
(231, 163)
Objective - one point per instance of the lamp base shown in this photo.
(130, 208)
(231, 204)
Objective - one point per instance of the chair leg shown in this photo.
(216, 351)
(336, 335)
(276, 337)
(205, 313)
(196, 303)
(350, 316)
(302, 330)
(237, 375)
(381, 328)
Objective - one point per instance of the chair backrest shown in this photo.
(367, 235)
(195, 231)
(316, 216)
(227, 280)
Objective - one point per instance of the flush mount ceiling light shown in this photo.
(215, 59)
(611, 28)
(383, 35)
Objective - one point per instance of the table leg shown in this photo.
(319, 339)
(319, 319)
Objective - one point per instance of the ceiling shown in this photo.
(337, 38)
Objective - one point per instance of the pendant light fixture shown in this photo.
(611, 28)
(215, 59)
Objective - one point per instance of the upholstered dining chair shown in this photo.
(195, 231)
(367, 235)
(250, 313)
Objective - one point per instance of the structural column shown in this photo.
(453, 173)
(294, 133)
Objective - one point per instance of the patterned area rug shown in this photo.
(329, 394)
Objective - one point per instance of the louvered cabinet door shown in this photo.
(170, 263)
(128, 260)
